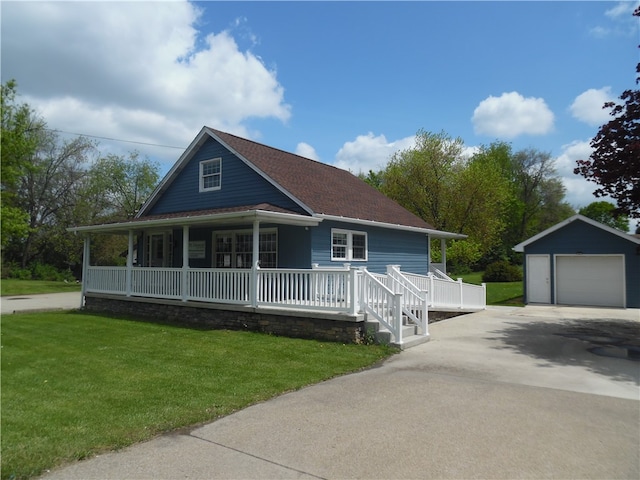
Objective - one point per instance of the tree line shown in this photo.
(496, 196)
(50, 183)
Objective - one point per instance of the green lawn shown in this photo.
(498, 293)
(12, 286)
(74, 384)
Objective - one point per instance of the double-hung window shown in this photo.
(347, 245)
(210, 175)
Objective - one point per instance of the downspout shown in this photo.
(443, 252)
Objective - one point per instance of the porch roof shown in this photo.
(263, 212)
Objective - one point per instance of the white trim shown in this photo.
(349, 246)
(392, 226)
(233, 258)
(564, 223)
(587, 255)
(201, 176)
(230, 217)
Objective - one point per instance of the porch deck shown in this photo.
(393, 299)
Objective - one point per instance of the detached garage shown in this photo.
(582, 262)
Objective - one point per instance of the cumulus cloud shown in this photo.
(587, 107)
(511, 115)
(579, 191)
(143, 71)
(369, 152)
(621, 9)
(619, 21)
(305, 150)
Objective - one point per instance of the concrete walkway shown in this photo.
(539, 392)
(39, 303)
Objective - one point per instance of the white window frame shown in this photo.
(235, 253)
(202, 176)
(349, 247)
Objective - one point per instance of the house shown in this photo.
(235, 223)
(582, 262)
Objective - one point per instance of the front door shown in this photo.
(158, 249)
(538, 286)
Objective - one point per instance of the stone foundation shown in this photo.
(333, 327)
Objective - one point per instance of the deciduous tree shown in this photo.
(614, 164)
(605, 212)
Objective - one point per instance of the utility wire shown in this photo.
(114, 139)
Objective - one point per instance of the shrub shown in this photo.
(502, 271)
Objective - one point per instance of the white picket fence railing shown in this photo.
(387, 297)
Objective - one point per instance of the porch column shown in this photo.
(129, 263)
(185, 262)
(86, 260)
(443, 251)
(428, 253)
(255, 263)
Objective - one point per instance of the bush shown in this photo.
(37, 271)
(502, 271)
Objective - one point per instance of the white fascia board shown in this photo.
(372, 223)
(250, 164)
(248, 215)
(520, 247)
(179, 165)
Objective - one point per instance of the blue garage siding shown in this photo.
(385, 247)
(241, 185)
(579, 237)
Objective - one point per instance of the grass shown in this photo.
(498, 293)
(75, 384)
(12, 286)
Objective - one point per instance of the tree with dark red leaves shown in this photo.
(614, 164)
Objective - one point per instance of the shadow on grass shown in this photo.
(609, 347)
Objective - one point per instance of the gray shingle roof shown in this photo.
(323, 188)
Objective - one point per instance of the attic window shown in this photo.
(348, 245)
(210, 175)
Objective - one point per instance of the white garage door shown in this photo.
(596, 280)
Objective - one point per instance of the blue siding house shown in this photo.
(236, 222)
(582, 262)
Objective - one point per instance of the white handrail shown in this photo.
(414, 300)
(382, 303)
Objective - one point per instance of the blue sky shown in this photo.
(346, 83)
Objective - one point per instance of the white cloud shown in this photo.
(619, 21)
(305, 150)
(369, 152)
(511, 115)
(579, 191)
(587, 107)
(141, 71)
(622, 9)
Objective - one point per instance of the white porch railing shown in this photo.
(443, 293)
(317, 289)
(414, 300)
(226, 286)
(382, 304)
(386, 297)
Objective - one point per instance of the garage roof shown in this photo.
(558, 226)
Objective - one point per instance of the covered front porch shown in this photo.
(393, 299)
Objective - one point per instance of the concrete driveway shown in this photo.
(40, 303)
(539, 392)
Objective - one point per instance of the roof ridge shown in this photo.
(279, 150)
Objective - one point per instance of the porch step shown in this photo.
(383, 336)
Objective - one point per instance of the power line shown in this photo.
(115, 139)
